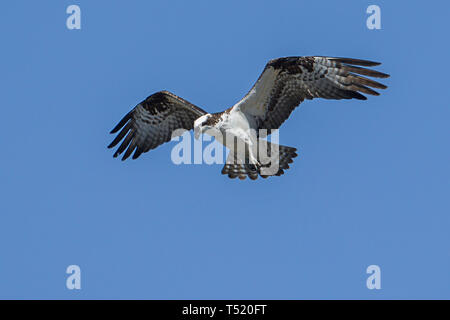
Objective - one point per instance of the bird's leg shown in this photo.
(253, 154)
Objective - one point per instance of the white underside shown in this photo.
(241, 122)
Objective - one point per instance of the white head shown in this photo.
(204, 123)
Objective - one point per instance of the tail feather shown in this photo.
(286, 156)
(241, 170)
(236, 168)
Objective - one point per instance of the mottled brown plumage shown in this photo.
(300, 78)
(152, 122)
(214, 119)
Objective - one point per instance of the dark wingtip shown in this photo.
(126, 154)
(383, 75)
(354, 95)
(122, 122)
(136, 155)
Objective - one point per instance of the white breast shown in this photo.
(237, 124)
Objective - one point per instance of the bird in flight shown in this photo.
(282, 86)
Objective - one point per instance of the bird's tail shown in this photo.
(272, 163)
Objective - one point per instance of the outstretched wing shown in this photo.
(152, 122)
(286, 82)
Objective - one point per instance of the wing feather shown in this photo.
(286, 82)
(152, 122)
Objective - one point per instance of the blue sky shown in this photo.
(370, 186)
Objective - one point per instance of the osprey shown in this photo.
(282, 86)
